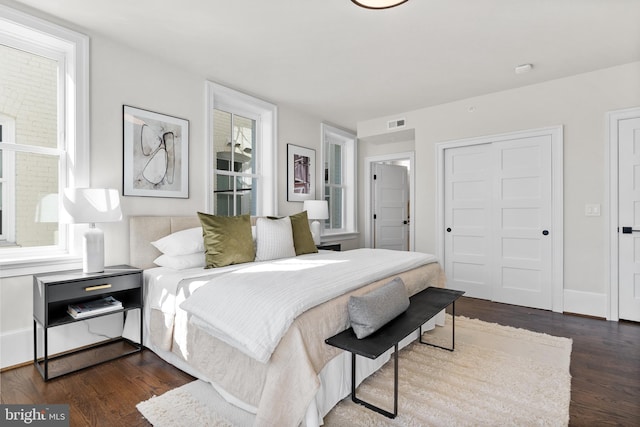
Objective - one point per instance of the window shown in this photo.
(242, 131)
(236, 184)
(44, 142)
(339, 167)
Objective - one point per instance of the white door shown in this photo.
(391, 204)
(629, 219)
(498, 211)
(522, 244)
(467, 218)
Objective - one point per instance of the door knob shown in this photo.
(545, 232)
(448, 229)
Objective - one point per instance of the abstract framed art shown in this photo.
(156, 154)
(301, 173)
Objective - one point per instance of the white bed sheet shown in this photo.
(162, 292)
(251, 307)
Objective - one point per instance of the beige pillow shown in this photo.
(274, 239)
(302, 238)
(227, 239)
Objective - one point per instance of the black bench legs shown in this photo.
(453, 331)
(377, 409)
(395, 387)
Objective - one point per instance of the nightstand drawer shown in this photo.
(93, 287)
(330, 247)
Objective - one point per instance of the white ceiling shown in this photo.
(345, 64)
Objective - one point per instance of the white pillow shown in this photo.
(181, 262)
(274, 239)
(182, 242)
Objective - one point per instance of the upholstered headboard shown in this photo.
(146, 229)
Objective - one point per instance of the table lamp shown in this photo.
(316, 210)
(89, 206)
(47, 212)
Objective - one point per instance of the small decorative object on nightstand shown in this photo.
(53, 293)
(330, 246)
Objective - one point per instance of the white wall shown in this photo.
(298, 129)
(121, 75)
(579, 103)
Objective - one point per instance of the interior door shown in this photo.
(498, 213)
(468, 219)
(521, 234)
(391, 204)
(629, 219)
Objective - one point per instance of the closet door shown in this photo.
(497, 213)
(467, 217)
(521, 226)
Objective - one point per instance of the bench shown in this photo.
(423, 306)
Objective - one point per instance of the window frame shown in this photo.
(32, 34)
(348, 141)
(265, 113)
(7, 180)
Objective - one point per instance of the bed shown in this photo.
(301, 378)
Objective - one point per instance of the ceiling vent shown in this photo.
(396, 124)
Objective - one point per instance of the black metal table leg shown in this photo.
(395, 387)
(453, 331)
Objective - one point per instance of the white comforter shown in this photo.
(251, 307)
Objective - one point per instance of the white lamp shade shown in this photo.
(91, 205)
(47, 208)
(316, 209)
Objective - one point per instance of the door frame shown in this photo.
(613, 119)
(557, 152)
(368, 199)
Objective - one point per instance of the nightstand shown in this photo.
(330, 246)
(52, 294)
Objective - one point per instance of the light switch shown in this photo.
(592, 209)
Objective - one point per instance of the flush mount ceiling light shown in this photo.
(378, 4)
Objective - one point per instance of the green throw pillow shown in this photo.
(302, 238)
(227, 239)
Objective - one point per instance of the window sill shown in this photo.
(42, 264)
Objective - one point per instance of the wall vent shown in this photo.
(397, 123)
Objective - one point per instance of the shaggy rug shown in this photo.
(496, 376)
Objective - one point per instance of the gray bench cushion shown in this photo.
(371, 311)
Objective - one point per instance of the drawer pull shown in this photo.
(97, 288)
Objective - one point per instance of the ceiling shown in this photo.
(346, 64)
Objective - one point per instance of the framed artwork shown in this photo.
(301, 173)
(156, 154)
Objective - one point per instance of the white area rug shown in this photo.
(497, 376)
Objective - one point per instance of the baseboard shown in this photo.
(586, 303)
(16, 347)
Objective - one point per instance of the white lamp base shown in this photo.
(93, 250)
(315, 232)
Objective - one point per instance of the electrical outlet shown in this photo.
(591, 209)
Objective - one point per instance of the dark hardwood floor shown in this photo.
(605, 369)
